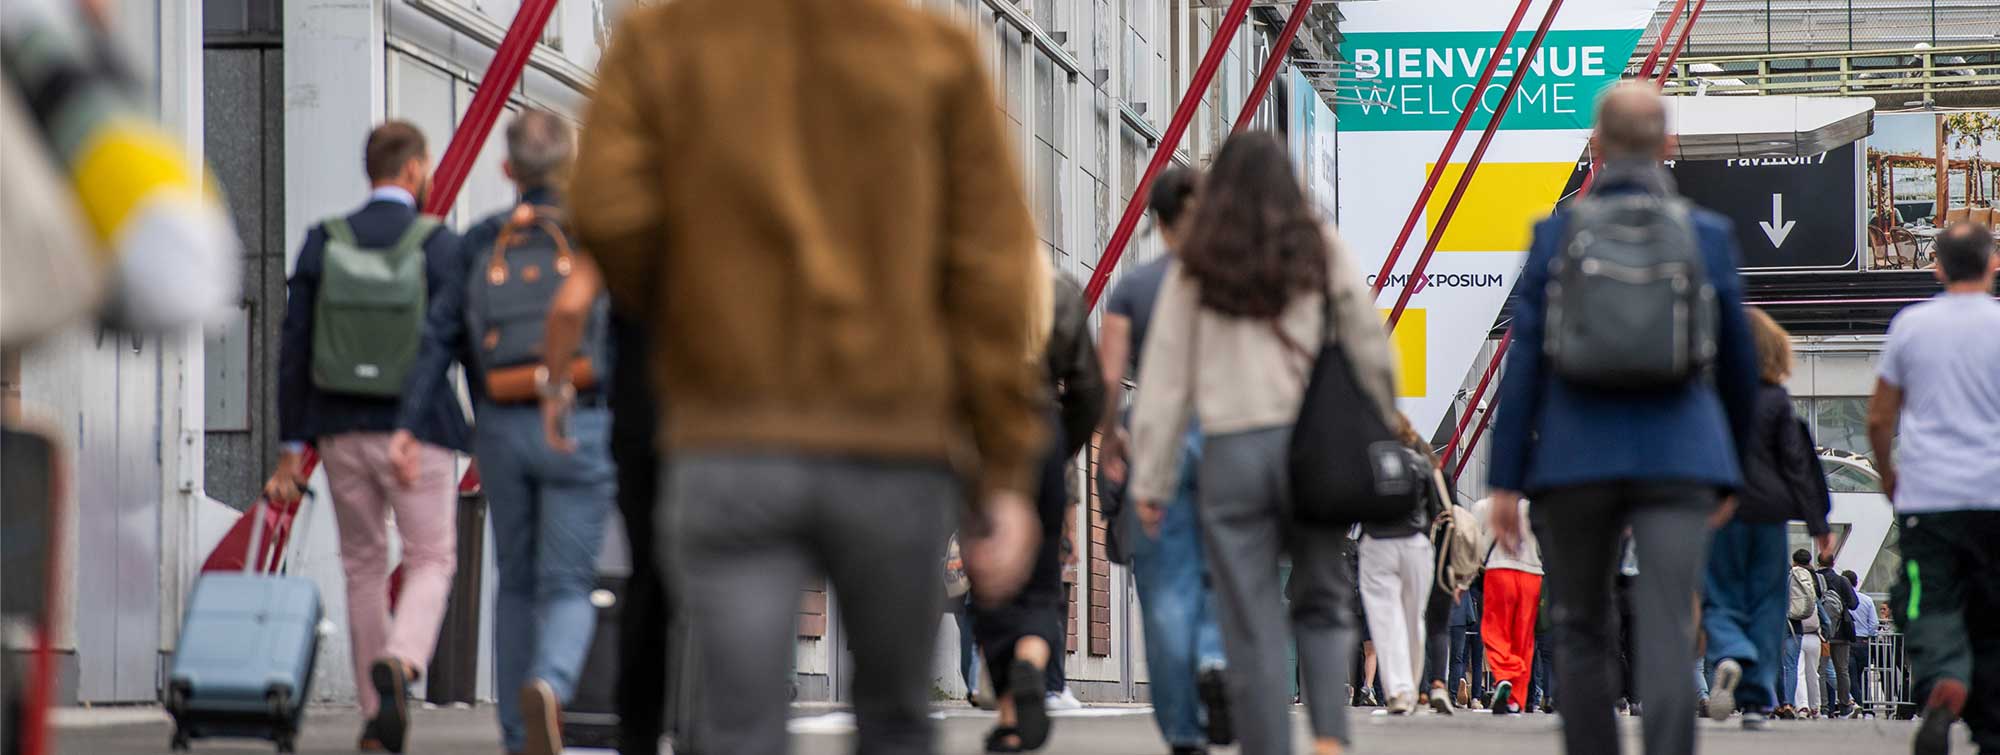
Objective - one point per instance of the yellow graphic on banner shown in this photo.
(1501, 206)
(1409, 346)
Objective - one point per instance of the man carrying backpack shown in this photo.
(354, 318)
(1631, 421)
(1837, 601)
(548, 501)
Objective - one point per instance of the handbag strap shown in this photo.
(1326, 331)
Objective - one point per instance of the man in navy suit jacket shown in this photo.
(1597, 462)
(352, 434)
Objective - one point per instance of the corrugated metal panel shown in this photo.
(1747, 26)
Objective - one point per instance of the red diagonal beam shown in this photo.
(1653, 58)
(487, 104)
(1484, 418)
(1472, 166)
(1667, 71)
(1477, 394)
(1183, 114)
(1275, 62)
(1450, 147)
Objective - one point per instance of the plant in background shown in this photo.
(1973, 130)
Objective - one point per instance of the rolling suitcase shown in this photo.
(244, 665)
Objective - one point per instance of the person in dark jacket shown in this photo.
(1022, 639)
(1597, 462)
(1840, 641)
(1743, 605)
(548, 502)
(353, 437)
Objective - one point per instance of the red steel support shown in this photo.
(1450, 147)
(1473, 443)
(488, 102)
(1478, 393)
(1653, 58)
(1183, 114)
(1667, 71)
(1472, 166)
(1276, 61)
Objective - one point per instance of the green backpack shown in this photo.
(368, 323)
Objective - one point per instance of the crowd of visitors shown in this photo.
(892, 380)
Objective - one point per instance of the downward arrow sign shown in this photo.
(1778, 228)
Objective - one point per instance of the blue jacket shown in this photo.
(445, 337)
(1548, 434)
(304, 412)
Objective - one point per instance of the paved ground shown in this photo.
(1098, 731)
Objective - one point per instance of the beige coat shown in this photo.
(1235, 375)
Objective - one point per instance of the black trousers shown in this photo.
(1578, 528)
(642, 637)
(1040, 610)
(1948, 604)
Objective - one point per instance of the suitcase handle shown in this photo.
(253, 558)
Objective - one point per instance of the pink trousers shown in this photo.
(365, 495)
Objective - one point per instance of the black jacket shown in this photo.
(1839, 585)
(1782, 477)
(1074, 373)
(304, 413)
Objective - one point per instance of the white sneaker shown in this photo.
(1402, 703)
(1064, 700)
(1722, 696)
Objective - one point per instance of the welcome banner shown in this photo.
(1417, 69)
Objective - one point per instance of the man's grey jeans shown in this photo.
(748, 531)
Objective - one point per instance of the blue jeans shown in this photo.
(1743, 608)
(1178, 612)
(1467, 659)
(1541, 682)
(1788, 675)
(547, 510)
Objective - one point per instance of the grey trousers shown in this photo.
(1246, 526)
(1579, 528)
(750, 529)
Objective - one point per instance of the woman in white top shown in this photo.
(1231, 340)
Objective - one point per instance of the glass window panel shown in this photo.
(1044, 194)
(1016, 98)
(1841, 423)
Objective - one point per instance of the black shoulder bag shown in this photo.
(1345, 464)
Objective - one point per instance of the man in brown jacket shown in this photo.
(815, 208)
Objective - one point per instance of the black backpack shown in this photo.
(1630, 306)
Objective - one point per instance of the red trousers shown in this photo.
(1507, 627)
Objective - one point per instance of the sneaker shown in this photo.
(1064, 700)
(392, 716)
(1440, 701)
(1502, 702)
(1402, 704)
(1946, 701)
(541, 716)
(1754, 721)
(1214, 690)
(1464, 693)
(1722, 695)
(1785, 712)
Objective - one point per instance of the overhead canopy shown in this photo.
(1719, 128)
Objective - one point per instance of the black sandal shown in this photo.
(1028, 686)
(996, 739)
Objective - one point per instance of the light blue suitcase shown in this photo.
(244, 664)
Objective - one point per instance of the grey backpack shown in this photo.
(510, 290)
(1630, 307)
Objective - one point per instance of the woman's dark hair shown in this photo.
(1254, 241)
(1169, 197)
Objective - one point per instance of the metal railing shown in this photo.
(1922, 73)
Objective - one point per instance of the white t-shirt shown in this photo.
(1528, 559)
(1945, 356)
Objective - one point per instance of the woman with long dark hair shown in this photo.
(1243, 311)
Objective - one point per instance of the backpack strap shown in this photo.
(414, 237)
(337, 229)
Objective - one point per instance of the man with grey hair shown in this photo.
(548, 498)
(1601, 453)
